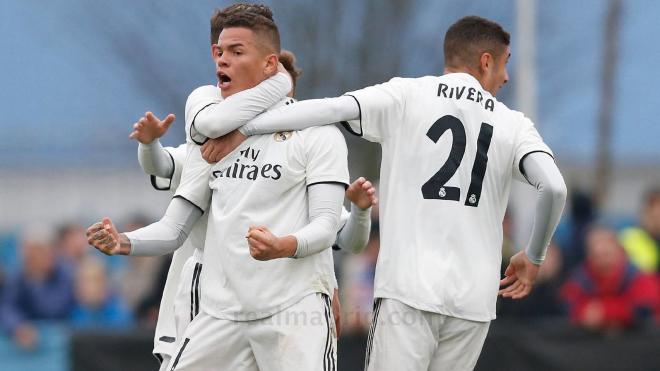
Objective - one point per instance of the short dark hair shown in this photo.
(288, 60)
(219, 16)
(262, 26)
(470, 37)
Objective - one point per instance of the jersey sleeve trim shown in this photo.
(347, 126)
(192, 127)
(192, 203)
(329, 182)
(154, 179)
(520, 167)
(154, 183)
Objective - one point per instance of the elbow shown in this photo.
(560, 193)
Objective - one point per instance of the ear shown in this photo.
(486, 62)
(272, 62)
(214, 50)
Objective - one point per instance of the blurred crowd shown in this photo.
(599, 275)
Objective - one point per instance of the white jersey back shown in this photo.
(450, 150)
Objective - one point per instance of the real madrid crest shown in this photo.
(282, 136)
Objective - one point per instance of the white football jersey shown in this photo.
(264, 182)
(449, 153)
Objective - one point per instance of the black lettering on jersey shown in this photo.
(235, 168)
(471, 92)
(265, 170)
(250, 153)
(243, 167)
(442, 90)
(459, 92)
(490, 104)
(252, 175)
(276, 169)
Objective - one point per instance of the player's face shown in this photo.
(242, 63)
(497, 75)
(215, 54)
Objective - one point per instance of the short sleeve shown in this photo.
(194, 186)
(198, 100)
(178, 157)
(381, 109)
(326, 156)
(528, 140)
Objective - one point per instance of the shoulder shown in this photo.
(203, 92)
(321, 133)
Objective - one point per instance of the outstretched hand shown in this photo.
(519, 278)
(362, 193)
(149, 127)
(104, 237)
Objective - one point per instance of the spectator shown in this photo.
(72, 245)
(138, 276)
(642, 243)
(96, 303)
(582, 215)
(42, 289)
(607, 292)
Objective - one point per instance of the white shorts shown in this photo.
(179, 304)
(301, 337)
(403, 338)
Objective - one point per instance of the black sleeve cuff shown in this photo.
(347, 126)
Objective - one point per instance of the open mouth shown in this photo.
(223, 79)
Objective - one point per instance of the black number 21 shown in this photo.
(435, 188)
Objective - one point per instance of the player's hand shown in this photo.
(149, 127)
(264, 245)
(520, 277)
(104, 237)
(362, 193)
(336, 311)
(216, 149)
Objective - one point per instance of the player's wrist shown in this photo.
(288, 246)
(124, 245)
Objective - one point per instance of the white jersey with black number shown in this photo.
(264, 182)
(450, 151)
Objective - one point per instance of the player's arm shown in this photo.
(372, 112)
(159, 238)
(354, 234)
(325, 202)
(303, 115)
(222, 117)
(541, 172)
(155, 160)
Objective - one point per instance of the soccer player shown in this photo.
(293, 183)
(450, 152)
(180, 299)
